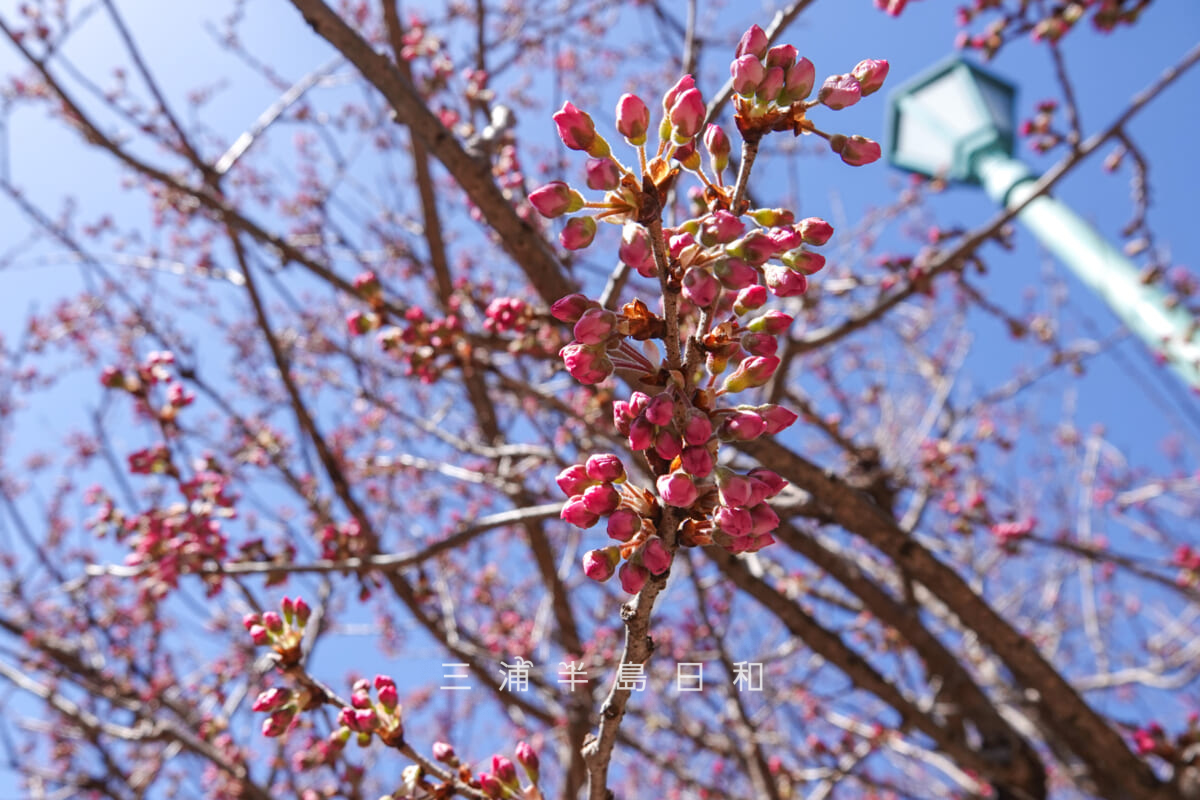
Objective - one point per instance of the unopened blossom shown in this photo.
(733, 489)
(759, 344)
(272, 699)
(747, 72)
(505, 772)
(776, 417)
(586, 363)
(527, 757)
(578, 233)
(720, 227)
(687, 115)
(576, 512)
(734, 520)
(603, 175)
(444, 752)
(815, 231)
(697, 427)
(667, 445)
(700, 287)
(857, 151)
(743, 425)
(839, 91)
(605, 467)
(555, 199)
(754, 42)
(781, 55)
(772, 322)
(677, 489)
(570, 308)
(717, 143)
(574, 479)
(632, 576)
(870, 74)
(660, 409)
(696, 460)
(735, 274)
(771, 85)
(636, 250)
(750, 299)
(784, 281)
(575, 127)
(490, 785)
(804, 261)
(601, 499)
(595, 326)
(624, 524)
(633, 119)
(799, 80)
(655, 556)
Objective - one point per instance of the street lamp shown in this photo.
(956, 121)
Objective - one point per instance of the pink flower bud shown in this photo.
(278, 723)
(633, 119)
(633, 577)
(759, 344)
(365, 720)
(600, 564)
(622, 417)
(753, 371)
(578, 233)
(638, 403)
(718, 145)
(735, 521)
(754, 42)
(585, 363)
(635, 249)
(697, 428)
(595, 326)
(603, 175)
(785, 238)
(799, 79)
(720, 227)
(804, 261)
(678, 242)
(687, 115)
(675, 92)
(527, 757)
(573, 480)
(505, 772)
(697, 460)
(743, 426)
(303, 612)
(444, 752)
(777, 417)
(490, 785)
(570, 308)
(576, 513)
(677, 489)
(273, 622)
(771, 480)
(687, 155)
(605, 467)
(784, 281)
(870, 74)
(765, 519)
(259, 635)
(815, 231)
(735, 274)
(575, 127)
(771, 85)
(781, 55)
(772, 217)
(839, 91)
(700, 287)
(555, 199)
(667, 444)
(641, 434)
(857, 151)
(601, 499)
(358, 323)
(389, 698)
(750, 299)
(660, 409)
(272, 699)
(655, 556)
(624, 524)
(747, 73)
(250, 620)
(754, 248)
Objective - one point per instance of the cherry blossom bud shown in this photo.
(750, 299)
(622, 417)
(759, 344)
(772, 217)
(490, 785)
(259, 635)
(677, 489)
(576, 513)
(771, 480)
(273, 622)
(385, 688)
(697, 460)
(555, 199)
(638, 403)
(747, 73)
(605, 467)
(743, 426)
(735, 521)
(655, 556)
(595, 326)
(720, 227)
(700, 287)
(667, 445)
(633, 577)
(839, 91)
(578, 233)
(641, 434)
(575, 127)
(527, 757)
(687, 115)
(870, 74)
(365, 719)
(303, 612)
(570, 308)
(505, 772)
(675, 92)
(799, 79)
(601, 499)
(735, 274)
(753, 371)
(718, 146)
(573, 480)
(754, 248)
(687, 155)
(585, 363)
(758, 492)
(636, 250)
(804, 261)
(251, 620)
(857, 151)
(360, 696)
(815, 231)
(660, 409)
(765, 519)
(781, 55)
(777, 417)
(784, 281)
(272, 699)
(444, 752)
(754, 42)
(358, 323)
(785, 238)
(633, 119)
(732, 488)
(678, 242)
(697, 427)
(278, 723)
(624, 524)
(771, 85)
(603, 175)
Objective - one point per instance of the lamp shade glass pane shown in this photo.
(919, 143)
(999, 103)
(953, 101)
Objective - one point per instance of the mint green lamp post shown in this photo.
(957, 121)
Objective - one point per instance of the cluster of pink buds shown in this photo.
(1188, 561)
(423, 342)
(507, 315)
(1009, 535)
(381, 717)
(503, 782)
(282, 631)
(153, 370)
(282, 705)
(1040, 129)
